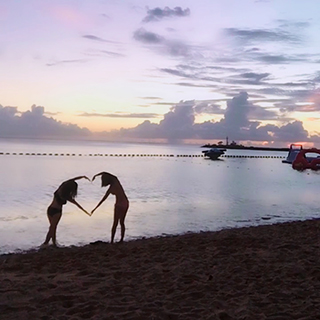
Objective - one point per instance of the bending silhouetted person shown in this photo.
(121, 205)
(67, 191)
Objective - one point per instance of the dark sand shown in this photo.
(266, 272)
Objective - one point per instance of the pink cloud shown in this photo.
(69, 16)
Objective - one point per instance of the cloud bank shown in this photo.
(238, 123)
(241, 121)
(34, 124)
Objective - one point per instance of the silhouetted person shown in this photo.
(67, 191)
(121, 205)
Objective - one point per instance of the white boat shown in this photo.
(214, 153)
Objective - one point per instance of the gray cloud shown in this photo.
(241, 55)
(289, 24)
(292, 99)
(230, 81)
(95, 38)
(178, 48)
(237, 111)
(47, 113)
(274, 91)
(242, 120)
(103, 53)
(147, 37)
(262, 114)
(278, 59)
(34, 124)
(66, 62)
(105, 16)
(151, 98)
(293, 131)
(316, 78)
(177, 124)
(292, 84)
(238, 123)
(193, 85)
(208, 108)
(204, 74)
(262, 35)
(158, 14)
(290, 105)
(162, 103)
(179, 73)
(112, 54)
(165, 46)
(226, 69)
(256, 77)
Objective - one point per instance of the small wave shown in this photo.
(6, 219)
(243, 221)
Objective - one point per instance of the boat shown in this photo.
(307, 159)
(293, 152)
(214, 153)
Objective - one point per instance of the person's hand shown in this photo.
(85, 211)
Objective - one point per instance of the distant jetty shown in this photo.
(241, 147)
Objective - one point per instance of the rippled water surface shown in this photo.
(171, 190)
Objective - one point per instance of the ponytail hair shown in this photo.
(68, 190)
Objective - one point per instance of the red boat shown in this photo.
(307, 159)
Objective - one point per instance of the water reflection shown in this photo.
(167, 195)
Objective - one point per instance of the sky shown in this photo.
(171, 71)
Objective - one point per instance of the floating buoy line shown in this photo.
(133, 155)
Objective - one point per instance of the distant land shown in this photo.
(241, 147)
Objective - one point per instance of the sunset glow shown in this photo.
(161, 70)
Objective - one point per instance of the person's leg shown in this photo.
(53, 220)
(120, 214)
(123, 228)
(56, 220)
(114, 226)
(48, 237)
(49, 233)
(122, 218)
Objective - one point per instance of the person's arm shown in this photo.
(79, 206)
(101, 201)
(98, 174)
(80, 177)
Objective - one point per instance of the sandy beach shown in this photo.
(266, 272)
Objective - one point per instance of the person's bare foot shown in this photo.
(57, 245)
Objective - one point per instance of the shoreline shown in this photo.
(37, 249)
(258, 272)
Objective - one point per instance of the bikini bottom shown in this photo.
(52, 211)
(123, 205)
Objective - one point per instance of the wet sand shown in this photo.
(266, 272)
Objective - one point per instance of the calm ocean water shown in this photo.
(168, 194)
